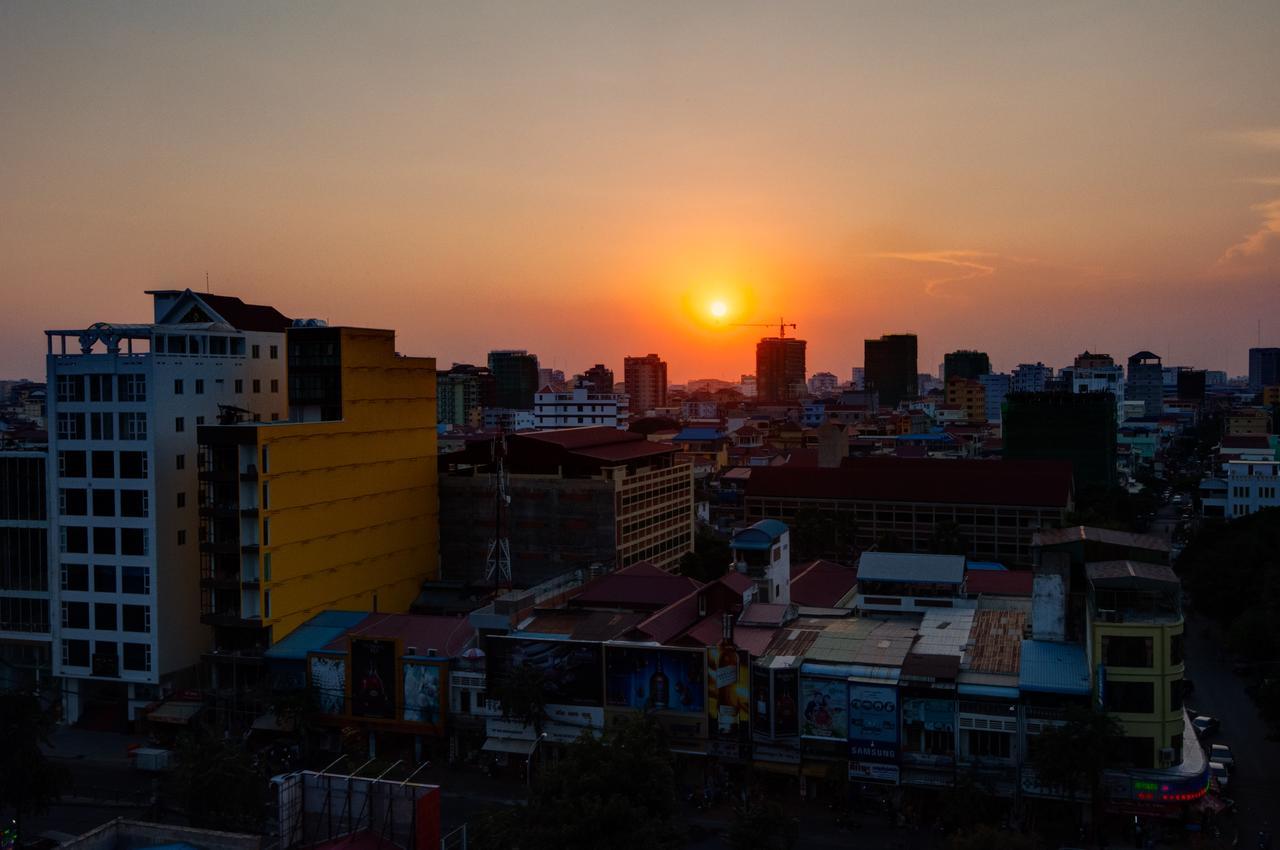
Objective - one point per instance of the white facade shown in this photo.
(508, 419)
(1098, 379)
(1251, 486)
(859, 378)
(824, 383)
(1030, 378)
(996, 386)
(579, 407)
(124, 405)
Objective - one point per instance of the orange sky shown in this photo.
(581, 179)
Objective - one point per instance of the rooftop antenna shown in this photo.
(206, 283)
(498, 563)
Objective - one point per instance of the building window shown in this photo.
(100, 426)
(1130, 697)
(275, 385)
(274, 352)
(266, 495)
(133, 426)
(266, 531)
(73, 539)
(104, 541)
(104, 502)
(75, 653)
(135, 580)
(257, 385)
(266, 460)
(75, 615)
(182, 537)
(180, 462)
(133, 388)
(1120, 651)
(70, 426)
(104, 578)
(100, 387)
(72, 502)
(177, 386)
(75, 577)
(239, 385)
(1176, 688)
(104, 465)
(135, 618)
(266, 603)
(199, 386)
(133, 465)
(1176, 652)
(104, 616)
(256, 352)
(70, 388)
(133, 541)
(134, 503)
(179, 424)
(182, 500)
(266, 566)
(71, 464)
(989, 744)
(199, 420)
(137, 656)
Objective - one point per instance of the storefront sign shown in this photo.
(825, 709)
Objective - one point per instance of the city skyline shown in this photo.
(485, 177)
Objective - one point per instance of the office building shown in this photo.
(780, 369)
(580, 407)
(890, 364)
(515, 375)
(25, 632)
(646, 381)
(968, 395)
(823, 384)
(965, 364)
(1146, 382)
(128, 400)
(995, 386)
(463, 392)
(1096, 373)
(599, 378)
(1264, 367)
(1030, 378)
(578, 497)
(1080, 428)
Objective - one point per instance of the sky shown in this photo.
(583, 180)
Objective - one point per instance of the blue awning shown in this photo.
(986, 691)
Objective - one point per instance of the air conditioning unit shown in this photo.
(410, 650)
(1166, 757)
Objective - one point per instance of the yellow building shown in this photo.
(338, 508)
(1271, 396)
(1248, 421)
(1136, 649)
(969, 395)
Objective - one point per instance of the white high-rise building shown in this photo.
(579, 407)
(125, 401)
(823, 383)
(1030, 378)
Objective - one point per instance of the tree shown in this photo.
(219, 785)
(763, 825)
(617, 793)
(709, 559)
(296, 712)
(947, 539)
(824, 534)
(523, 694)
(1073, 755)
(29, 782)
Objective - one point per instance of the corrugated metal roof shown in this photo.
(904, 566)
(1053, 668)
(314, 634)
(1129, 574)
(1077, 533)
(945, 632)
(997, 642)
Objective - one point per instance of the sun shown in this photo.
(719, 309)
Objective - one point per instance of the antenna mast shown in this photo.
(498, 562)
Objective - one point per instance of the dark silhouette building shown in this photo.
(1264, 368)
(1191, 383)
(1145, 382)
(646, 382)
(515, 375)
(780, 369)
(1077, 427)
(965, 364)
(600, 377)
(890, 364)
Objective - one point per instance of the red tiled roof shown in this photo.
(446, 635)
(765, 614)
(1038, 483)
(641, 585)
(626, 451)
(999, 582)
(246, 317)
(580, 438)
(822, 584)
(709, 630)
(736, 581)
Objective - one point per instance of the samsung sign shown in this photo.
(873, 729)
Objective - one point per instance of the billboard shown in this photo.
(825, 713)
(424, 693)
(728, 693)
(571, 671)
(373, 678)
(786, 696)
(873, 732)
(761, 701)
(663, 680)
(328, 674)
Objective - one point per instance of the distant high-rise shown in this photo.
(780, 369)
(859, 378)
(463, 392)
(600, 377)
(1096, 373)
(1079, 427)
(965, 364)
(823, 383)
(1191, 384)
(890, 364)
(646, 381)
(1264, 368)
(1146, 382)
(515, 373)
(995, 387)
(1030, 378)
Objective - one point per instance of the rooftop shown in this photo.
(1078, 533)
(317, 633)
(640, 585)
(1053, 668)
(999, 582)
(446, 636)
(910, 567)
(1131, 574)
(822, 584)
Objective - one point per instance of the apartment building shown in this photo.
(581, 406)
(125, 402)
(25, 631)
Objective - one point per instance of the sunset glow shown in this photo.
(719, 309)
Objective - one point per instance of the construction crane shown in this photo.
(782, 326)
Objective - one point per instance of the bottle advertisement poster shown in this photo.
(728, 693)
(373, 678)
(825, 709)
(659, 680)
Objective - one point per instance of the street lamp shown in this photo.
(528, 763)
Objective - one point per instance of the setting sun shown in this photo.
(719, 309)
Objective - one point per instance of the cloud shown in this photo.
(1267, 137)
(964, 265)
(1255, 249)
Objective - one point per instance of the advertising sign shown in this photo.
(329, 681)
(786, 696)
(825, 713)
(934, 715)
(373, 678)
(761, 702)
(424, 694)
(661, 680)
(728, 693)
(873, 732)
(571, 672)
